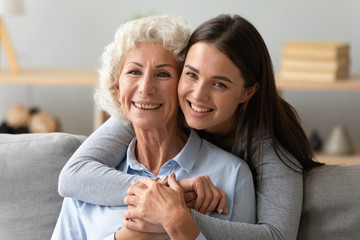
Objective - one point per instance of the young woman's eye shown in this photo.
(191, 75)
(220, 85)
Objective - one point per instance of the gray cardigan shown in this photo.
(279, 195)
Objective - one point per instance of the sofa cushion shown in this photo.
(29, 168)
(331, 208)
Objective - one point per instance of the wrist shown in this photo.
(181, 225)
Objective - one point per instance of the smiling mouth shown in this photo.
(147, 106)
(199, 109)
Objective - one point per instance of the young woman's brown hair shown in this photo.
(266, 114)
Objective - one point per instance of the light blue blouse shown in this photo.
(82, 220)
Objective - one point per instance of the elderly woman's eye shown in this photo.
(164, 75)
(134, 72)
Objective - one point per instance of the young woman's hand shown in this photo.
(208, 197)
(201, 194)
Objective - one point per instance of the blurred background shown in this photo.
(73, 34)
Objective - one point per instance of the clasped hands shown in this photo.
(155, 205)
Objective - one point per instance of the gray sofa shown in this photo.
(29, 202)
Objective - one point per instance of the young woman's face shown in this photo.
(148, 86)
(210, 89)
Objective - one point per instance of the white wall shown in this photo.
(68, 33)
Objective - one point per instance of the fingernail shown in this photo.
(221, 211)
(165, 178)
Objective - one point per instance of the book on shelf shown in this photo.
(315, 61)
(312, 50)
(293, 64)
(303, 76)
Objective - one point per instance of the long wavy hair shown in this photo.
(266, 114)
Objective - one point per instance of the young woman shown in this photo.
(226, 58)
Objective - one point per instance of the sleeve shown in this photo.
(279, 203)
(110, 237)
(244, 202)
(90, 174)
(69, 224)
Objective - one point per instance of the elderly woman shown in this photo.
(138, 84)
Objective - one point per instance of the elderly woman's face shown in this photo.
(148, 86)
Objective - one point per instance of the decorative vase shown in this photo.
(339, 142)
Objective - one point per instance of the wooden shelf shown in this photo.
(55, 77)
(65, 77)
(340, 159)
(350, 84)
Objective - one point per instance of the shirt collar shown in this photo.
(188, 155)
(185, 158)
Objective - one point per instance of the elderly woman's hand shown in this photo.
(141, 225)
(148, 199)
(162, 205)
(189, 194)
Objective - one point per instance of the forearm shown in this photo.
(182, 225)
(90, 176)
(279, 202)
(214, 228)
(107, 188)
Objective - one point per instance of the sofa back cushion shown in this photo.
(29, 168)
(331, 207)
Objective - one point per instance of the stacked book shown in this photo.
(315, 61)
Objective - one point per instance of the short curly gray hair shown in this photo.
(172, 32)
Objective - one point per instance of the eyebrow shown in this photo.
(192, 68)
(164, 65)
(140, 65)
(214, 77)
(158, 66)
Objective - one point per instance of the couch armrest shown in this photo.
(331, 207)
(29, 168)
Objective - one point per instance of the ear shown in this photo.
(117, 92)
(249, 92)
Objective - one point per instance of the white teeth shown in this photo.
(201, 110)
(147, 106)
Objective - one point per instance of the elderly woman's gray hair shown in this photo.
(171, 32)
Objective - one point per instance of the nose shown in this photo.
(200, 91)
(147, 85)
